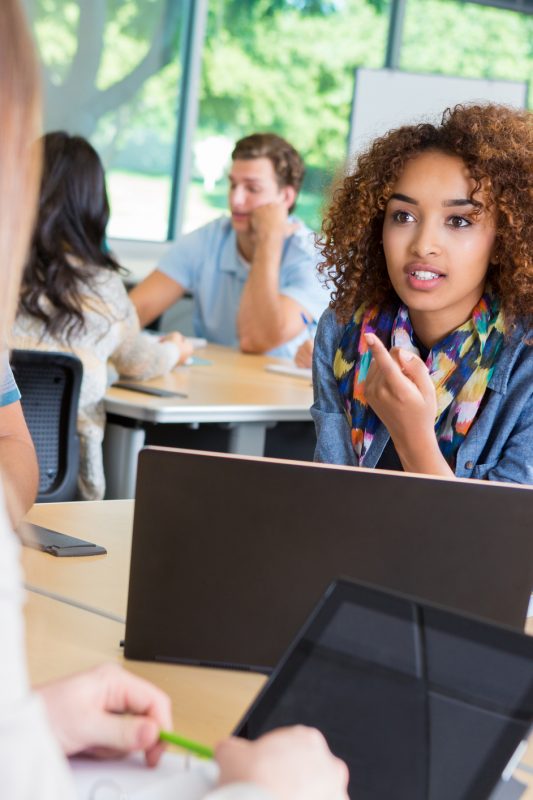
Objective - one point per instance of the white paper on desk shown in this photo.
(195, 341)
(290, 369)
(176, 777)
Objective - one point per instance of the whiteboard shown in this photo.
(387, 98)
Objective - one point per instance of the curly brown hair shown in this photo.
(496, 145)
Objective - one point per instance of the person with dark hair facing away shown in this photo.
(424, 360)
(252, 275)
(72, 297)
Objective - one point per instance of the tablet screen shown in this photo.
(419, 702)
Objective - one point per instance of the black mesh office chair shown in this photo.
(50, 387)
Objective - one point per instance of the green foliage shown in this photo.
(288, 66)
(56, 25)
(446, 36)
(297, 79)
(281, 65)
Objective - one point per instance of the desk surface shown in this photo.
(99, 583)
(234, 387)
(206, 703)
(61, 639)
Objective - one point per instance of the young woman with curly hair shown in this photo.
(424, 360)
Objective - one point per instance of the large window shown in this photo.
(285, 66)
(113, 71)
(457, 38)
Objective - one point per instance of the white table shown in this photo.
(234, 388)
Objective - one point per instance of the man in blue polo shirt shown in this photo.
(18, 463)
(252, 275)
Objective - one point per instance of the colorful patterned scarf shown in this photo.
(460, 366)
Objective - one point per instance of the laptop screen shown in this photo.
(419, 701)
(229, 553)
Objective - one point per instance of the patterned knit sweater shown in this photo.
(111, 335)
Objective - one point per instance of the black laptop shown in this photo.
(230, 553)
(421, 702)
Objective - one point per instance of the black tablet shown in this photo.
(421, 702)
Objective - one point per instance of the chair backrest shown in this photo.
(50, 384)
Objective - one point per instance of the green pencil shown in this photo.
(180, 741)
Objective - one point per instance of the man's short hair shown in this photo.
(288, 164)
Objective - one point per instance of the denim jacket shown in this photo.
(498, 446)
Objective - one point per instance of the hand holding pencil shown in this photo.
(106, 712)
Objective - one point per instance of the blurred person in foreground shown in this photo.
(105, 711)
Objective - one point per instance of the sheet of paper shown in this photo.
(176, 777)
(196, 341)
(290, 369)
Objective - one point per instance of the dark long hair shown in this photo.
(68, 245)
